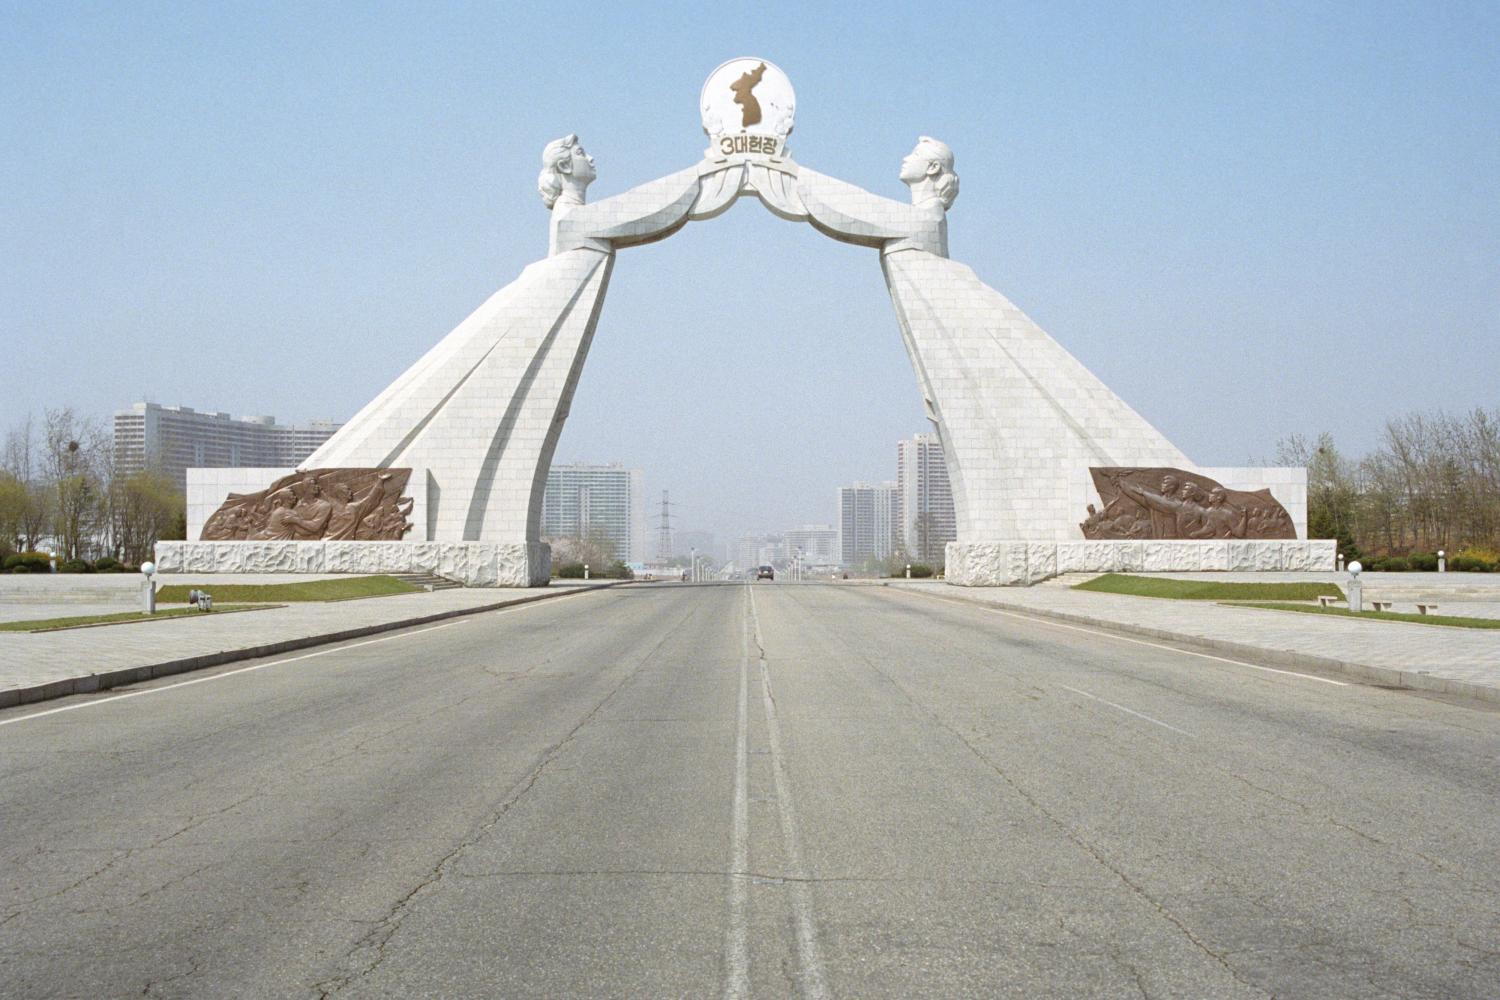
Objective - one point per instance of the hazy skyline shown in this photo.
(1248, 222)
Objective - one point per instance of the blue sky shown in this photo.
(1249, 220)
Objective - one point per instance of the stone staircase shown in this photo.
(428, 581)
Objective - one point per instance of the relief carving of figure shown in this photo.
(313, 509)
(1223, 520)
(1181, 505)
(1179, 508)
(319, 504)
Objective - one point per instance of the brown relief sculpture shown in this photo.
(318, 505)
(1171, 503)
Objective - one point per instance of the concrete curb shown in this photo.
(1414, 680)
(90, 683)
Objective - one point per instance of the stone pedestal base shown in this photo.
(1020, 564)
(474, 564)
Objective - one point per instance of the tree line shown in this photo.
(1432, 482)
(62, 489)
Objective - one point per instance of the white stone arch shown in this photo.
(1021, 420)
(480, 414)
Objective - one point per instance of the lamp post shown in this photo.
(1442, 561)
(148, 592)
(1356, 596)
(693, 554)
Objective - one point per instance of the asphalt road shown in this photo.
(768, 791)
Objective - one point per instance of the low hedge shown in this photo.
(27, 562)
(75, 566)
(1427, 562)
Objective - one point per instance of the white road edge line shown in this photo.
(737, 934)
(1172, 649)
(261, 666)
(227, 673)
(814, 984)
(1130, 711)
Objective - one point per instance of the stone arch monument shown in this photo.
(1051, 471)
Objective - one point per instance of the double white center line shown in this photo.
(737, 935)
(809, 955)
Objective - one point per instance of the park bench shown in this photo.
(1424, 608)
(1380, 605)
(1326, 600)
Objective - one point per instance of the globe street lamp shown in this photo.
(148, 570)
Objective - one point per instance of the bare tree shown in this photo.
(69, 457)
(1433, 483)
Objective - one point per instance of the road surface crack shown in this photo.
(1072, 835)
(374, 941)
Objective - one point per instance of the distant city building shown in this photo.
(927, 520)
(818, 544)
(760, 550)
(174, 439)
(609, 499)
(869, 517)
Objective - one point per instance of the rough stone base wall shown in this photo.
(474, 564)
(1020, 564)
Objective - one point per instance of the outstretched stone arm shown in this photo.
(851, 214)
(643, 214)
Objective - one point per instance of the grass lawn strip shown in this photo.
(125, 618)
(1206, 590)
(281, 593)
(1449, 621)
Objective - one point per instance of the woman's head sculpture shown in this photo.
(928, 171)
(566, 172)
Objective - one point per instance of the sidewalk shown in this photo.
(1456, 661)
(38, 666)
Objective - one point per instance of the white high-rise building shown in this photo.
(927, 520)
(173, 439)
(869, 516)
(583, 499)
(760, 550)
(818, 544)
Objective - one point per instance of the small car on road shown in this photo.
(765, 573)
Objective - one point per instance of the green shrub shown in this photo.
(33, 562)
(1423, 562)
(568, 571)
(109, 564)
(618, 571)
(1473, 559)
(74, 566)
(920, 571)
(1394, 564)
